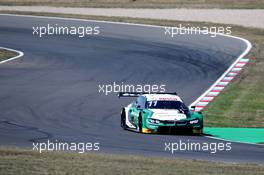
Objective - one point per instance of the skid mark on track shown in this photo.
(46, 135)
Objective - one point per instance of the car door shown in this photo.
(136, 109)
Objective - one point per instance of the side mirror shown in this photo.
(192, 108)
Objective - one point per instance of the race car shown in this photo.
(159, 113)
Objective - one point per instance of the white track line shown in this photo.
(20, 54)
(218, 82)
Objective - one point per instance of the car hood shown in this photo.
(167, 114)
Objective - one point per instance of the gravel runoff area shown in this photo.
(243, 17)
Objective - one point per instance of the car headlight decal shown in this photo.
(155, 121)
(194, 121)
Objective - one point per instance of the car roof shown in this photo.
(169, 97)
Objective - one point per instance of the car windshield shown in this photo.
(160, 104)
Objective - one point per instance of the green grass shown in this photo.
(18, 161)
(238, 106)
(241, 104)
(237, 4)
(6, 54)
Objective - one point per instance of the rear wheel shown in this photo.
(123, 119)
(140, 123)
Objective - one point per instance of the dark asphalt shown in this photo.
(52, 91)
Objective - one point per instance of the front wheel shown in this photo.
(140, 123)
(123, 119)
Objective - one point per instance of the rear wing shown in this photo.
(136, 94)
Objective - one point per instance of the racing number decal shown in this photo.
(152, 103)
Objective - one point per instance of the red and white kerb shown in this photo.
(217, 88)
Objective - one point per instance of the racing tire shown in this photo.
(140, 123)
(123, 119)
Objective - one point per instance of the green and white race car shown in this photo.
(159, 113)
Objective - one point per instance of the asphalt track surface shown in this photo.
(52, 91)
